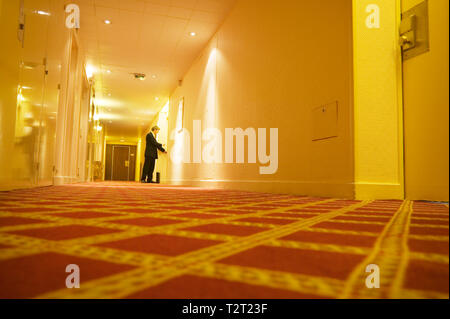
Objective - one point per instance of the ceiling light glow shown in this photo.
(90, 70)
(42, 13)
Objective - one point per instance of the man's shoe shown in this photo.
(143, 181)
(151, 182)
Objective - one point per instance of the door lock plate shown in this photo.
(414, 31)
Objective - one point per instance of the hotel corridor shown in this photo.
(224, 149)
(135, 241)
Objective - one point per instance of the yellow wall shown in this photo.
(43, 129)
(9, 75)
(426, 83)
(268, 66)
(378, 112)
(28, 101)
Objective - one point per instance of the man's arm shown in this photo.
(161, 148)
(155, 143)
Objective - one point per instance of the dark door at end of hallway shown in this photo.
(120, 163)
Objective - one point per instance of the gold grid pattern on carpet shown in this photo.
(276, 215)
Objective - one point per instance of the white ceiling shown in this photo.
(145, 36)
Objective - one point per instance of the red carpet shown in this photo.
(139, 241)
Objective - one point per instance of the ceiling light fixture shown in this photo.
(90, 70)
(108, 71)
(139, 76)
(29, 65)
(154, 76)
(193, 34)
(107, 21)
(42, 13)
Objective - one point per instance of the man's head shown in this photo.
(155, 130)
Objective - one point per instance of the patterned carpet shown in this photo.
(138, 241)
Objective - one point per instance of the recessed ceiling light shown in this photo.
(193, 34)
(42, 13)
(156, 98)
(26, 87)
(139, 76)
(108, 71)
(29, 65)
(154, 76)
(109, 110)
(107, 21)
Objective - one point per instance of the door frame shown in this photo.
(110, 157)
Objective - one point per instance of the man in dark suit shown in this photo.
(151, 155)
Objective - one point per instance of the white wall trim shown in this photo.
(308, 188)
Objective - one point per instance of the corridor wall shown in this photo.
(273, 69)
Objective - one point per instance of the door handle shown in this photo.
(407, 38)
(414, 31)
(404, 40)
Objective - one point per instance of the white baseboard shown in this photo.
(318, 189)
(379, 191)
(63, 180)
